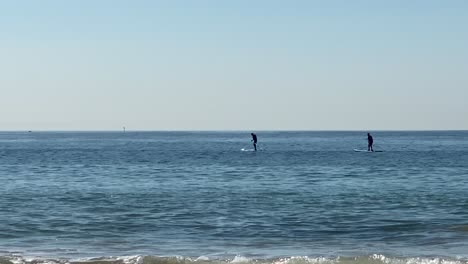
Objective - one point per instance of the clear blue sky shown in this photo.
(242, 65)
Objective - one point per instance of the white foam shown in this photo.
(137, 259)
(240, 259)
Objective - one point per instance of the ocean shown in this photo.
(195, 197)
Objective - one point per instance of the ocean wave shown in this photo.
(372, 259)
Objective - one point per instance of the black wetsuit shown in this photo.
(254, 139)
(370, 142)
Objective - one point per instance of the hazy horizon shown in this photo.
(233, 66)
(236, 130)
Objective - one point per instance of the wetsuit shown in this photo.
(370, 142)
(254, 139)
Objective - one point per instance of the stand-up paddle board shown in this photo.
(365, 150)
(247, 149)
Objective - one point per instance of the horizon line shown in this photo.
(235, 130)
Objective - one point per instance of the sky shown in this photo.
(234, 65)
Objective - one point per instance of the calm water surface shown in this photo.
(72, 195)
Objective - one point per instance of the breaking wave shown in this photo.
(372, 259)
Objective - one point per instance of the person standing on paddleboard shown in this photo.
(370, 142)
(254, 139)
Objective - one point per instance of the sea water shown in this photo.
(183, 197)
